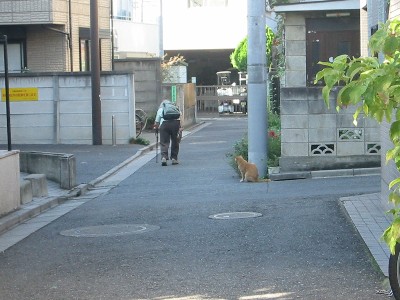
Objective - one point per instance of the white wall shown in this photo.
(203, 28)
(138, 38)
(63, 113)
(9, 181)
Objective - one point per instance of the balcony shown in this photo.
(22, 12)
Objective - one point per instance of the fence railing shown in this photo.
(209, 97)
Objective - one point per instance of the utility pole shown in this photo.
(95, 71)
(161, 31)
(7, 85)
(257, 85)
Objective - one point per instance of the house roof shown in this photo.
(318, 5)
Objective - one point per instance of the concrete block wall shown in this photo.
(63, 113)
(315, 137)
(147, 81)
(9, 181)
(295, 50)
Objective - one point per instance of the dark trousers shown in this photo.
(169, 131)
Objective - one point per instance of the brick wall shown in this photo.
(81, 18)
(25, 12)
(49, 50)
(53, 44)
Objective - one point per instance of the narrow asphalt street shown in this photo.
(193, 231)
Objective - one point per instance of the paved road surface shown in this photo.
(302, 246)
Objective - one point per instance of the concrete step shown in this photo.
(32, 185)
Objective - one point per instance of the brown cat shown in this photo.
(248, 170)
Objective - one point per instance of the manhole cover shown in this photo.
(235, 215)
(109, 230)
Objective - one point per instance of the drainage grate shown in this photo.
(109, 230)
(235, 215)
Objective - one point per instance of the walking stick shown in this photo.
(156, 133)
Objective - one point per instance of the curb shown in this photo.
(325, 173)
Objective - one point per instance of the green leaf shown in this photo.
(377, 40)
(355, 115)
(394, 198)
(354, 69)
(325, 94)
(394, 182)
(392, 153)
(394, 132)
(392, 234)
(329, 75)
(390, 45)
(325, 63)
(351, 93)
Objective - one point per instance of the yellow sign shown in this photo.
(21, 94)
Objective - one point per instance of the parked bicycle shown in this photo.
(141, 121)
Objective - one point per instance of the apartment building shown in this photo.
(137, 28)
(205, 32)
(53, 35)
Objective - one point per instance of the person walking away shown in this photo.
(168, 123)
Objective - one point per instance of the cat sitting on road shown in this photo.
(248, 170)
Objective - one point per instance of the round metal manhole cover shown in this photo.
(235, 215)
(109, 230)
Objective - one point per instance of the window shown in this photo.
(16, 61)
(207, 3)
(140, 11)
(84, 49)
(84, 54)
(123, 9)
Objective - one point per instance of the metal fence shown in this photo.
(209, 97)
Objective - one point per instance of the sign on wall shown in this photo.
(173, 94)
(21, 94)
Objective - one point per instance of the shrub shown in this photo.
(139, 141)
(273, 144)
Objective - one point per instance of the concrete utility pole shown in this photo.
(257, 85)
(95, 70)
